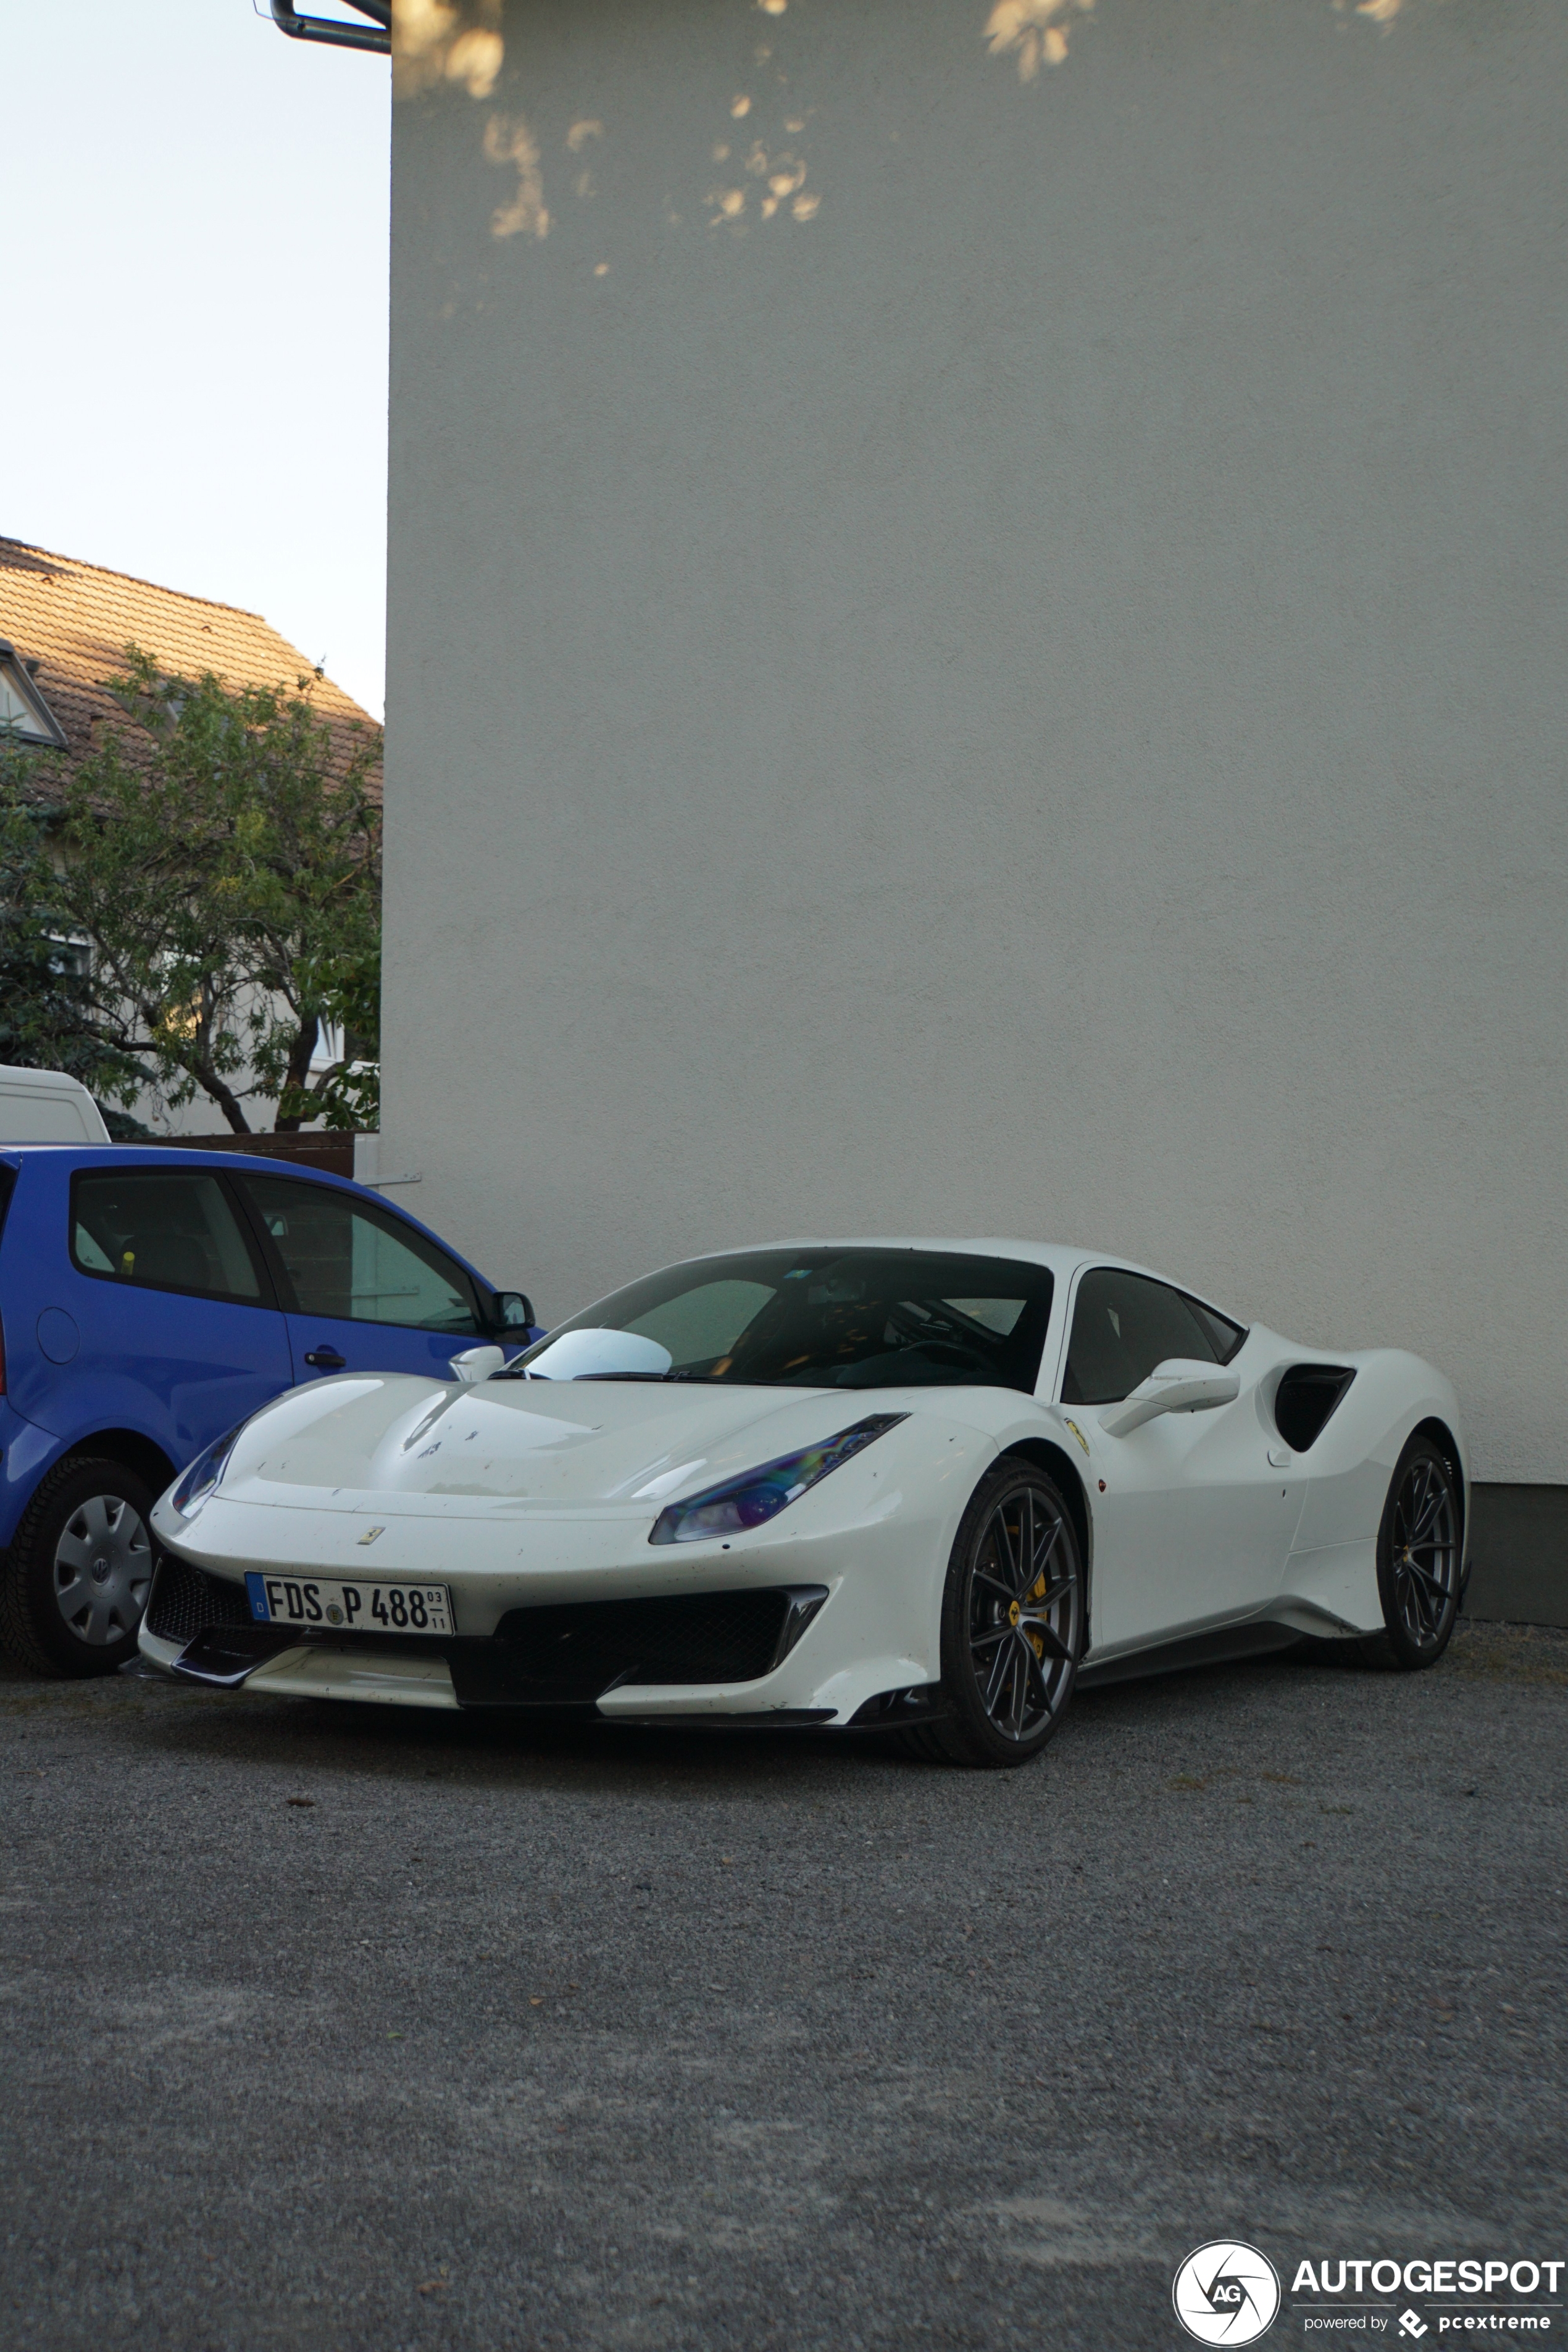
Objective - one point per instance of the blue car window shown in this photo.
(345, 1260)
(163, 1229)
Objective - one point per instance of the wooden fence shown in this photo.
(333, 1153)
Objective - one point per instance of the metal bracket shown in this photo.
(335, 34)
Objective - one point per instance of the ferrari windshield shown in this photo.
(828, 1318)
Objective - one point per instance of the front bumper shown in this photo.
(743, 1654)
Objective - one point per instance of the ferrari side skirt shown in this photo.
(1255, 1639)
(762, 1719)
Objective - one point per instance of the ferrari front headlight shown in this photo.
(758, 1495)
(197, 1483)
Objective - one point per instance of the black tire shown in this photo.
(1419, 1546)
(77, 1577)
(1012, 1622)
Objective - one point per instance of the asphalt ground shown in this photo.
(359, 2028)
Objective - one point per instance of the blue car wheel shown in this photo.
(80, 1564)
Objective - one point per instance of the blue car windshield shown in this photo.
(831, 1318)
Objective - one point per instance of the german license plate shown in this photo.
(319, 1604)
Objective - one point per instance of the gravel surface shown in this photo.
(356, 2028)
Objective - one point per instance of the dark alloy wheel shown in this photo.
(1418, 1557)
(1012, 1621)
(80, 1564)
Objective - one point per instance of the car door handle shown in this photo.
(326, 1359)
(1279, 1455)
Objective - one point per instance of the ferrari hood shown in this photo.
(616, 1446)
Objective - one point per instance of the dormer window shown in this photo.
(25, 716)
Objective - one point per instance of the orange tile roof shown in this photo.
(75, 620)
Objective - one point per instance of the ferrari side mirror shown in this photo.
(1181, 1384)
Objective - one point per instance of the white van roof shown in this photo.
(47, 1107)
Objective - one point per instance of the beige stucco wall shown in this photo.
(1030, 700)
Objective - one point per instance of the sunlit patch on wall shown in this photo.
(773, 183)
(1033, 30)
(437, 41)
(507, 140)
(578, 138)
(1036, 31)
(782, 183)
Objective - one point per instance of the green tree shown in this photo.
(191, 909)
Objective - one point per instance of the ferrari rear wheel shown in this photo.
(1012, 1621)
(1418, 1556)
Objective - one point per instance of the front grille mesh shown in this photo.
(576, 1650)
(184, 1602)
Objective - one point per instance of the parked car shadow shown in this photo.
(497, 1750)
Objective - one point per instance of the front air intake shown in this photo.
(183, 1603)
(580, 1649)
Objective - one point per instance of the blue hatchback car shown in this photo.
(150, 1299)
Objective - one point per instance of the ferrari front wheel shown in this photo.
(1012, 1621)
(1418, 1553)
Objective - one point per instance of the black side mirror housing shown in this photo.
(513, 1312)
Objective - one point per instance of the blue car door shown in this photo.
(180, 1334)
(363, 1291)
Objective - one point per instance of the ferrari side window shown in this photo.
(1228, 1337)
(1125, 1324)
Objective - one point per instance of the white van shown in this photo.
(46, 1106)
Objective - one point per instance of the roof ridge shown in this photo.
(81, 564)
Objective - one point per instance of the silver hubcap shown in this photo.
(104, 1565)
(1024, 1602)
(1426, 1554)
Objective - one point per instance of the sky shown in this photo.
(195, 214)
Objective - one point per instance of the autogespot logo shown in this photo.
(1226, 2294)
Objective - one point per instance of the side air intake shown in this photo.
(1305, 1401)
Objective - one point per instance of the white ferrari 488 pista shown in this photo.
(874, 1486)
